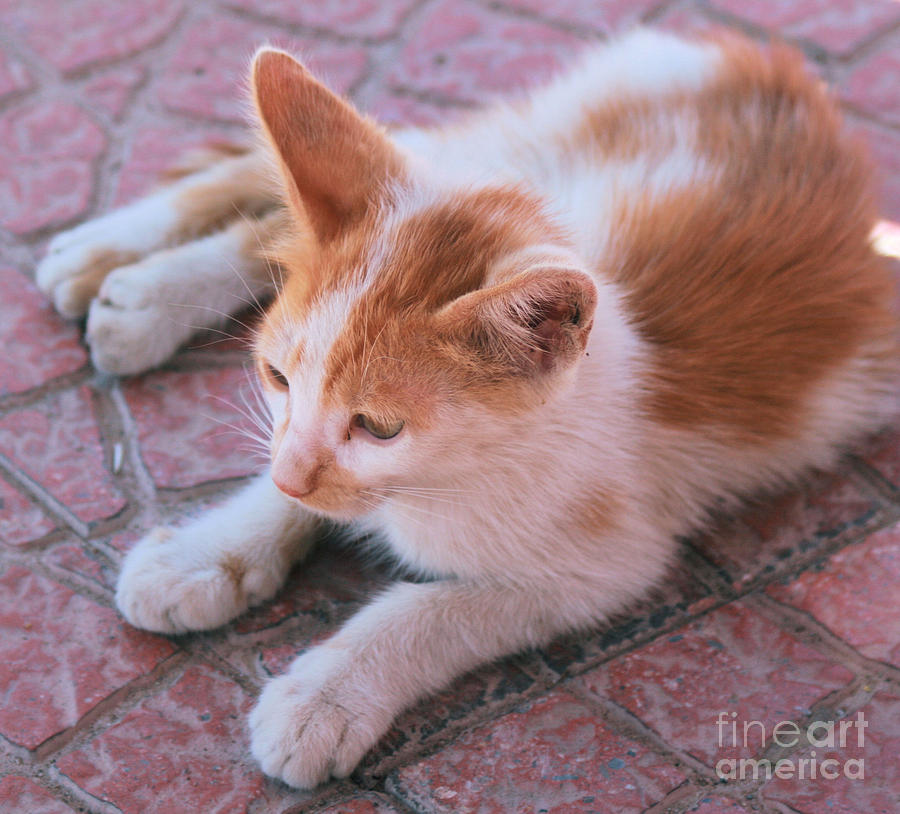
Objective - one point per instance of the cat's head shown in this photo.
(418, 322)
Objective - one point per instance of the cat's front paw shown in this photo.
(171, 583)
(318, 720)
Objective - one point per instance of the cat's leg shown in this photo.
(198, 203)
(144, 311)
(207, 572)
(339, 697)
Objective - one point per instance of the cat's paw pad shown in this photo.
(315, 722)
(170, 585)
(131, 326)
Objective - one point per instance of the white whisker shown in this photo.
(264, 253)
(227, 316)
(420, 495)
(263, 427)
(414, 507)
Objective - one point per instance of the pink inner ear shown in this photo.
(548, 333)
(542, 354)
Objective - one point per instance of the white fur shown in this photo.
(190, 578)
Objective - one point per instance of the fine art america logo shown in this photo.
(820, 735)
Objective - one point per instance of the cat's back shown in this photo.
(734, 211)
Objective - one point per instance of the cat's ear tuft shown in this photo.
(536, 322)
(335, 160)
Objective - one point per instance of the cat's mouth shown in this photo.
(336, 502)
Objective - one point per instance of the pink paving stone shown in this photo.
(686, 20)
(74, 558)
(158, 146)
(360, 18)
(839, 26)
(876, 792)
(733, 660)
(79, 33)
(553, 754)
(37, 344)
(469, 698)
(884, 147)
(207, 76)
(111, 92)
(716, 805)
(394, 109)
(177, 513)
(872, 83)
(13, 76)
(319, 595)
(183, 749)
(883, 455)
(328, 580)
(19, 794)
(855, 594)
(465, 51)
(46, 177)
(57, 444)
(182, 422)
(361, 804)
(608, 16)
(20, 520)
(773, 532)
(60, 654)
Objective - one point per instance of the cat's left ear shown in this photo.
(335, 160)
(538, 321)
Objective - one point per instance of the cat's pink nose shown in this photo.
(295, 476)
(291, 490)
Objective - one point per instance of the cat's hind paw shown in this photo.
(169, 584)
(71, 278)
(135, 322)
(79, 259)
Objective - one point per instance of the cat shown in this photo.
(527, 351)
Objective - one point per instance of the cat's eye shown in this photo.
(380, 429)
(276, 376)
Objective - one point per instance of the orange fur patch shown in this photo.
(235, 569)
(204, 208)
(753, 289)
(594, 513)
(436, 256)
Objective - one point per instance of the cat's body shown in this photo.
(527, 351)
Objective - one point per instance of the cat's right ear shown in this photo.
(334, 159)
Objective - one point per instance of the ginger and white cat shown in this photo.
(526, 351)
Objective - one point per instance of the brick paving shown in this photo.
(787, 613)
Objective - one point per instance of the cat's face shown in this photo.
(413, 322)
